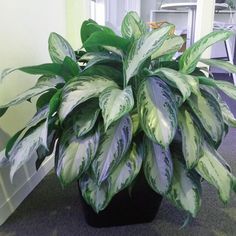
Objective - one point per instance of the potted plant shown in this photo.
(121, 106)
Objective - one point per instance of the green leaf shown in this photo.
(79, 91)
(107, 41)
(105, 71)
(24, 149)
(191, 56)
(185, 191)
(191, 138)
(44, 84)
(83, 119)
(170, 46)
(96, 196)
(207, 110)
(113, 145)
(126, 171)
(43, 69)
(93, 58)
(75, 155)
(132, 26)
(89, 27)
(44, 99)
(115, 103)
(54, 103)
(210, 168)
(157, 110)
(225, 65)
(158, 167)
(135, 122)
(143, 49)
(70, 69)
(59, 48)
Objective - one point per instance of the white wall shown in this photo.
(24, 30)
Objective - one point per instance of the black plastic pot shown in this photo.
(141, 207)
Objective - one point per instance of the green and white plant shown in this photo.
(121, 103)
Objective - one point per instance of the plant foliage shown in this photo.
(121, 103)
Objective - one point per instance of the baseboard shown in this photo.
(15, 199)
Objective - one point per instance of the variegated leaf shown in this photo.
(157, 110)
(208, 111)
(92, 58)
(44, 84)
(79, 91)
(59, 48)
(113, 145)
(3, 159)
(96, 196)
(40, 116)
(143, 49)
(225, 65)
(191, 138)
(135, 122)
(184, 192)
(27, 147)
(75, 155)
(228, 116)
(115, 103)
(170, 46)
(226, 87)
(175, 79)
(132, 26)
(84, 118)
(158, 167)
(126, 171)
(210, 168)
(191, 56)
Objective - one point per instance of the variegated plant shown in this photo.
(121, 103)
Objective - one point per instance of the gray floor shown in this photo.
(49, 210)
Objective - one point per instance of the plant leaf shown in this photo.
(75, 155)
(105, 71)
(93, 58)
(3, 159)
(132, 26)
(96, 196)
(113, 145)
(226, 87)
(225, 65)
(59, 48)
(44, 84)
(169, 47)
(115, 103)
(79, 91)
(208, 111)
(103, 39)
(84, 118)
(191, 56)
(157, 110)
(143, 49)
(126, 171)
(175, 79)
(24, 150)
(228, 116)
(191, 138)
(158, 167)
(215, 173)
(184, 192)
(40, 116)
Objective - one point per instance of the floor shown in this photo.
(50, 210)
